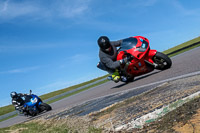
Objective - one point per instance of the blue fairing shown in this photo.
(32, 100)
(39, 103)
(31, 105)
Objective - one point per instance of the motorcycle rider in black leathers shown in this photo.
(108, 56)
(17, 100)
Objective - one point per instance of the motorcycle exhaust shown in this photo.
(152, 64)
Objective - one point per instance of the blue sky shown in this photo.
(46, 45)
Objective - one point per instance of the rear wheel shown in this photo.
(163, 61)
(45, 107)
(129, 79)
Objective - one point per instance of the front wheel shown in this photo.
(129, 79)
(45, 107)
(162, 61)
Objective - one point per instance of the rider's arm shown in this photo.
(116, 43)
(22, 94)
(110, 63)
(15, 102)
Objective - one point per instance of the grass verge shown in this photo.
(180, 115)
(195, 40)
(6, 109)
(8, 117)
(182, 51)
(71, 125)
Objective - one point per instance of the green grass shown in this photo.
(187, 49)
(6, 109)
(52, 126)
(33, 127)
(8, 117)
(182, 45)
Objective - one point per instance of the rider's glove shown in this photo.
(126, 59)
(22, 94)
(123, 61)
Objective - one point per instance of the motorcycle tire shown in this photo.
(162, 60)
(129, 80)
(45, 107)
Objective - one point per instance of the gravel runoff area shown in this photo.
(135, 110)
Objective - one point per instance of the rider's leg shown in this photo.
(115, 76)
(102, 66)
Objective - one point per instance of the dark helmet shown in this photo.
(104, 43)
(13, 94)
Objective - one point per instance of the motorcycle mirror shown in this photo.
(30, 91)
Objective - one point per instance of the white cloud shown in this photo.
(145, 2)
(13, 9)
(4, 5)
(55, 86)
(183, 10)
(80, 58)
(27, 47)
(69, 8)
(61, 84)
(20, 70)
(42, 10)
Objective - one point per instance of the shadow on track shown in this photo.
(147, 75)
(140, 77)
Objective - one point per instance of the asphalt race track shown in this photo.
(186, 63)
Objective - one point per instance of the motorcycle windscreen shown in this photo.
(128, 43)
(27, 98)
(30, 100)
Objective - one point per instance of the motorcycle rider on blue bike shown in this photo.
(17, 100)
(108, 56)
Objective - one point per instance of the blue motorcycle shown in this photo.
(32, 105)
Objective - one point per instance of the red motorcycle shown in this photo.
(144, 59)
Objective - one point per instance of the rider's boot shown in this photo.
(109, 78)
(123, 79)
(115, 77)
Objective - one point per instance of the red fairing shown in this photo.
(150, 55)
(142, 38)
(137, 46)
(120, 55)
